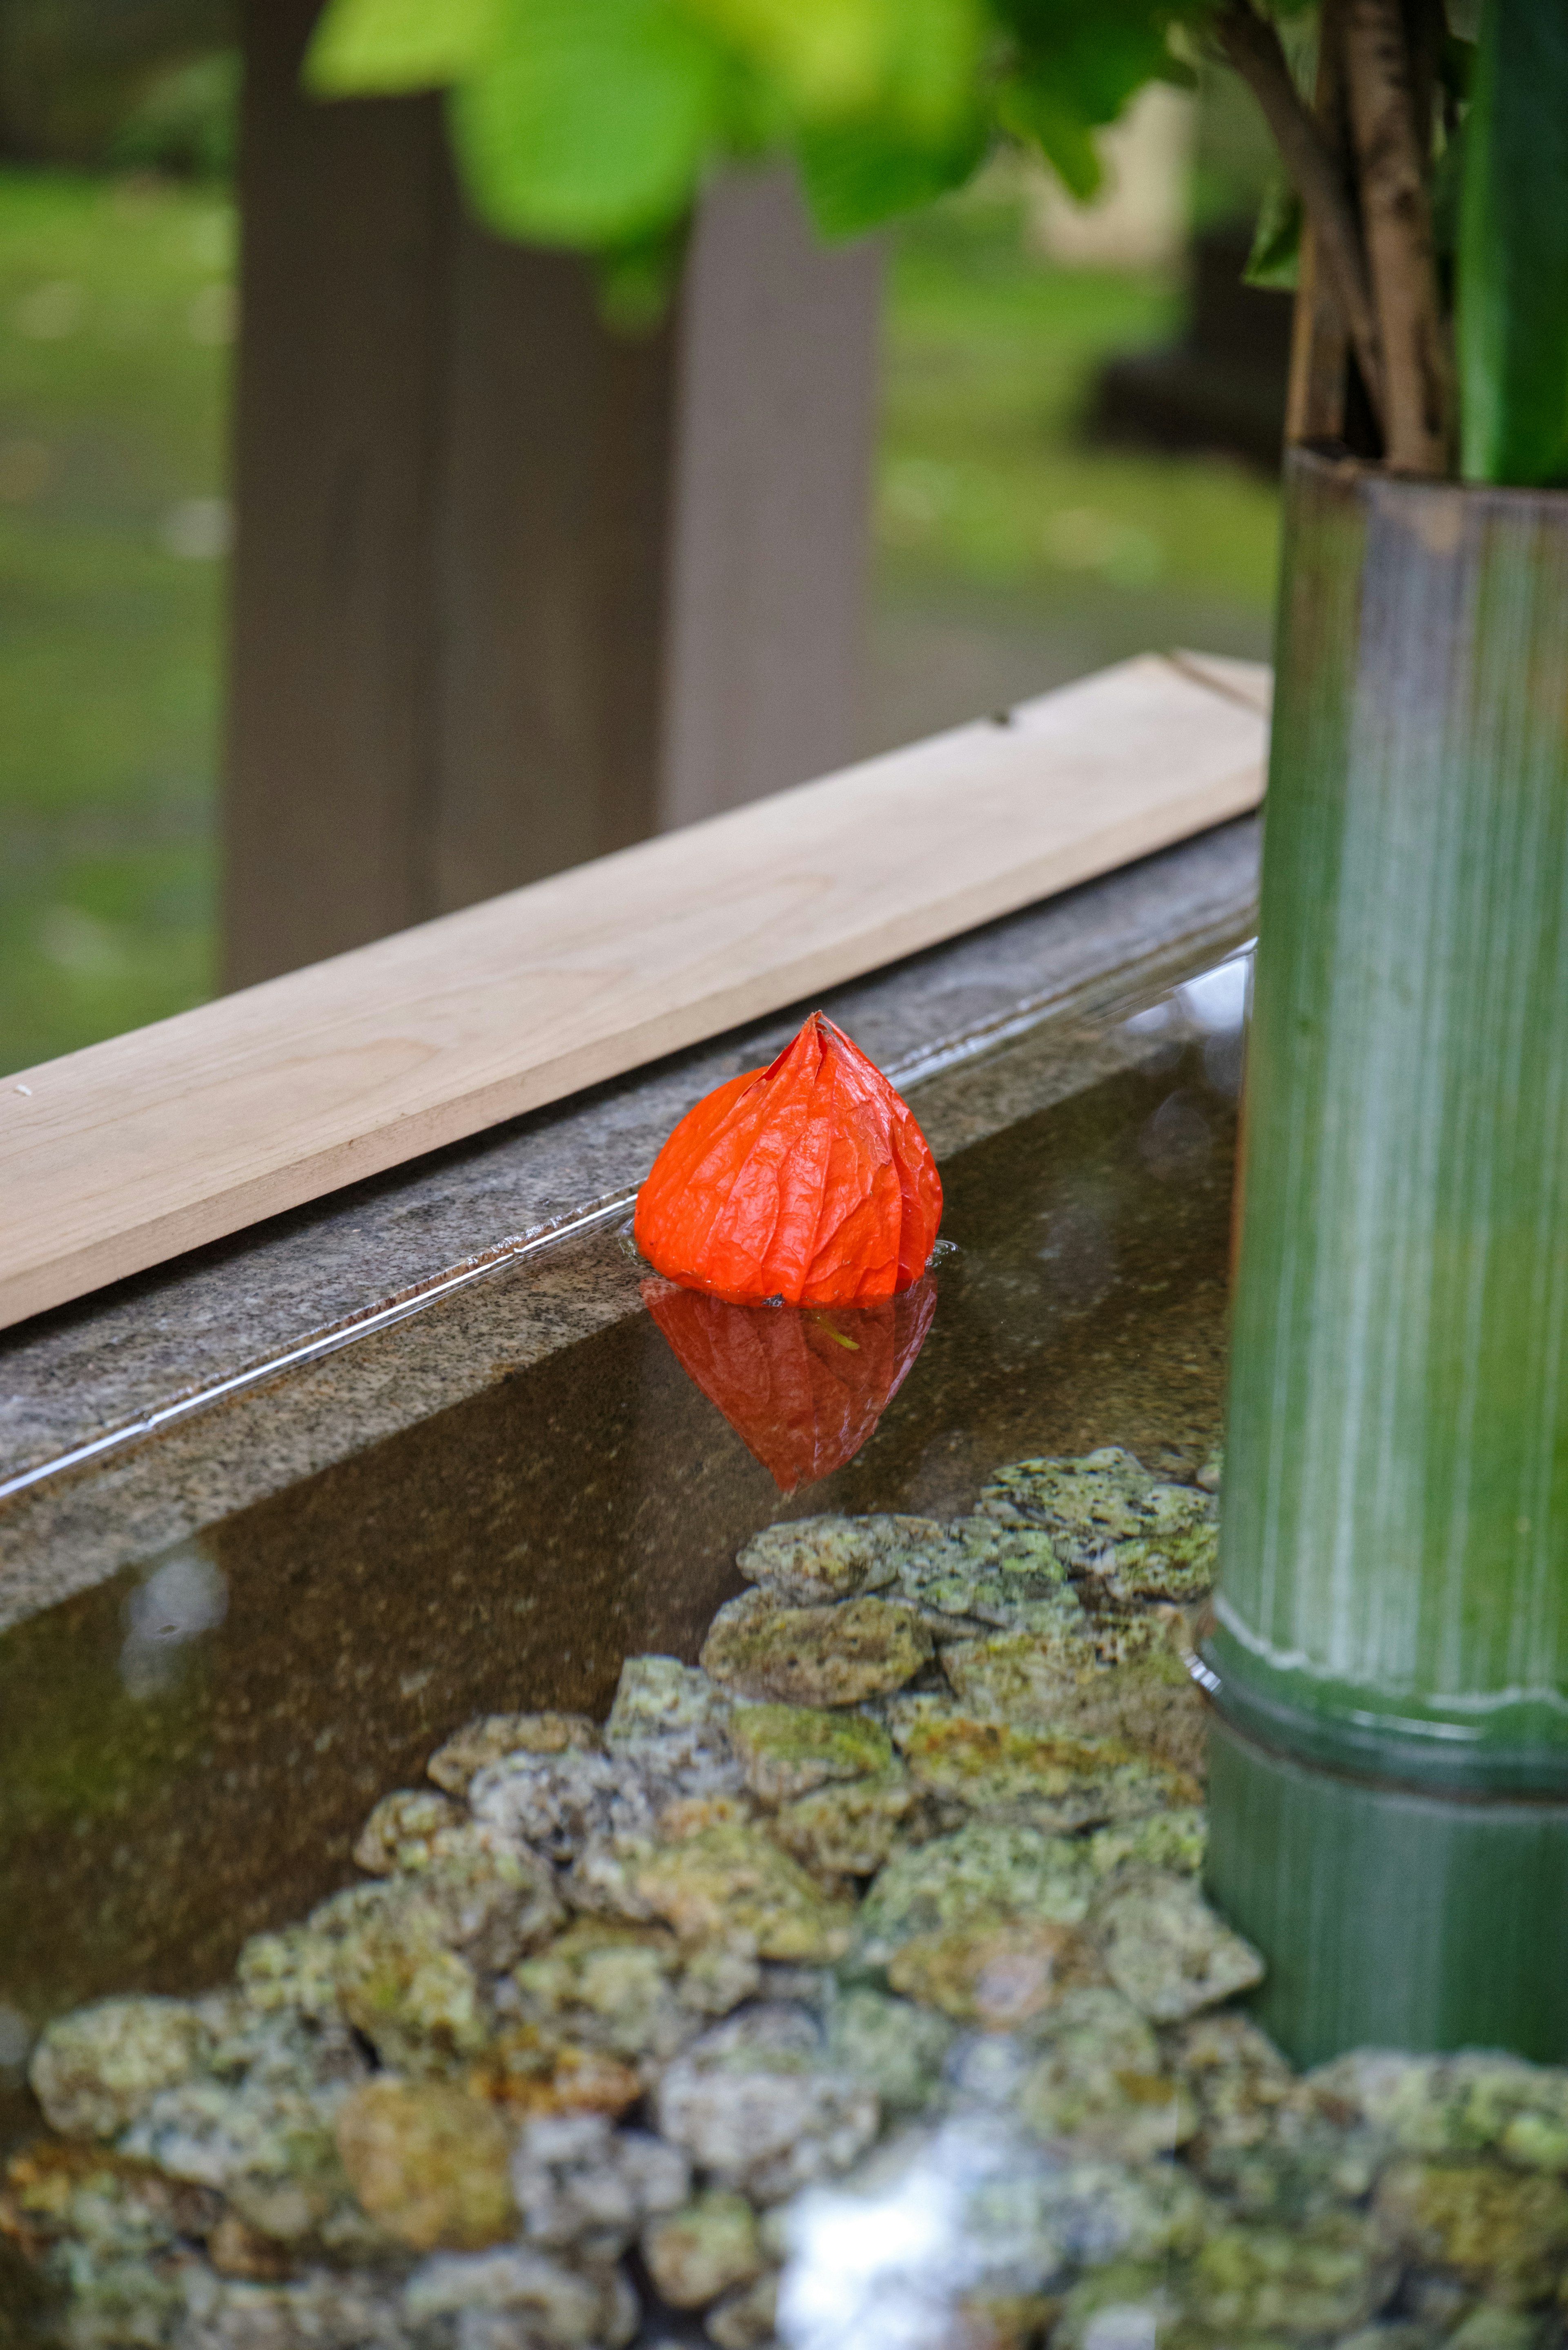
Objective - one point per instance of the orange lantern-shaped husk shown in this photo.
(803, 1387)
(809, 1182)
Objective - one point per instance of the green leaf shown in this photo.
(858, 175)
(1512, 272)
(1035, 114)
(592, 122)
(1070, 70)
(830, 57)
(385, 46)
(913, 62)
(1275, 256)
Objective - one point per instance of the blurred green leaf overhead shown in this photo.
(593, 123)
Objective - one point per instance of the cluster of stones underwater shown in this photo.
(853, 1988)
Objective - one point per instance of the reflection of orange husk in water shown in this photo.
(809, 1182)
(803, 1387)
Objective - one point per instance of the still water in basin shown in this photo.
(853, 1986)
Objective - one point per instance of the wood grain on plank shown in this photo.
(119, 1156)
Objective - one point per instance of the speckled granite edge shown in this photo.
(1018, 1007)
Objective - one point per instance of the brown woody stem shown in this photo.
(1397, 213)
(1253, 47)
(1315, 408)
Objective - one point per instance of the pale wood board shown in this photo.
(133, 1150)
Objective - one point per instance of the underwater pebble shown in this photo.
(614, 1986)
(1317, 2280)
(658, 1695)
(1021, 2025)
(1168, 1952)
(974, 1572)
(986, 1872)
(319, 2310)
(552, 2303)
(580, 2182)
(852, 1830)
(492, 1736)
(1507, 2234)
(995, 1975)
(756, 2104)
(1150, 1703)
(399, 1831)
(735, 1885)
(1057, 1784)
(815, 1656)
(787, 1751)
(1107, 1516)
(745, 2320)
(707, 2248)
(1175, 1840)
(428, 2161)
(1100, 2084)
(895, 2047)
(94, 2071)
(811, 1562)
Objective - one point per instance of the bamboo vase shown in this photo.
(1390, 1661)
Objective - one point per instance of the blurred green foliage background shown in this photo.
(1011, 552)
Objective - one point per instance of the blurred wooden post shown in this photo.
(509, 590)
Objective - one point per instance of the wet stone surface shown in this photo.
(855, 1987)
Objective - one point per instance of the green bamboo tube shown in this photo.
(1392, 1617)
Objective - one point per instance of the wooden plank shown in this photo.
(1248, 682)
(133, 1150)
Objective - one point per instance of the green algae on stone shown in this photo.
(852, 1827)
(998, 1973)
(786, 1751)
(400, 1831)
(1238, 2078)
(1505, 2232)
(96, 2070)
(1150, 1701)
(707, 2248)
(815, 1656)
(429, 2162)
(1107, 1516)
(734, 1885)
(895, 2047)
(1454, 2105)
(1310, 2283)
(415, 2000)
(657, 1695)
(811, 1562)
(1170, 1841)
(1169, 1951)
(1099, 2085)
(989, 1870)
(490, 1737)
(610, 1985)
(974, 1570)
(1059, 1783)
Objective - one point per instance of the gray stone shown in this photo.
(815, 1656)
(756, 2104)
(986, 1871)
(96, 2069)
(580, 2183)
(1168, 1952)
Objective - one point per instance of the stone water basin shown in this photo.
(532, 1883)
